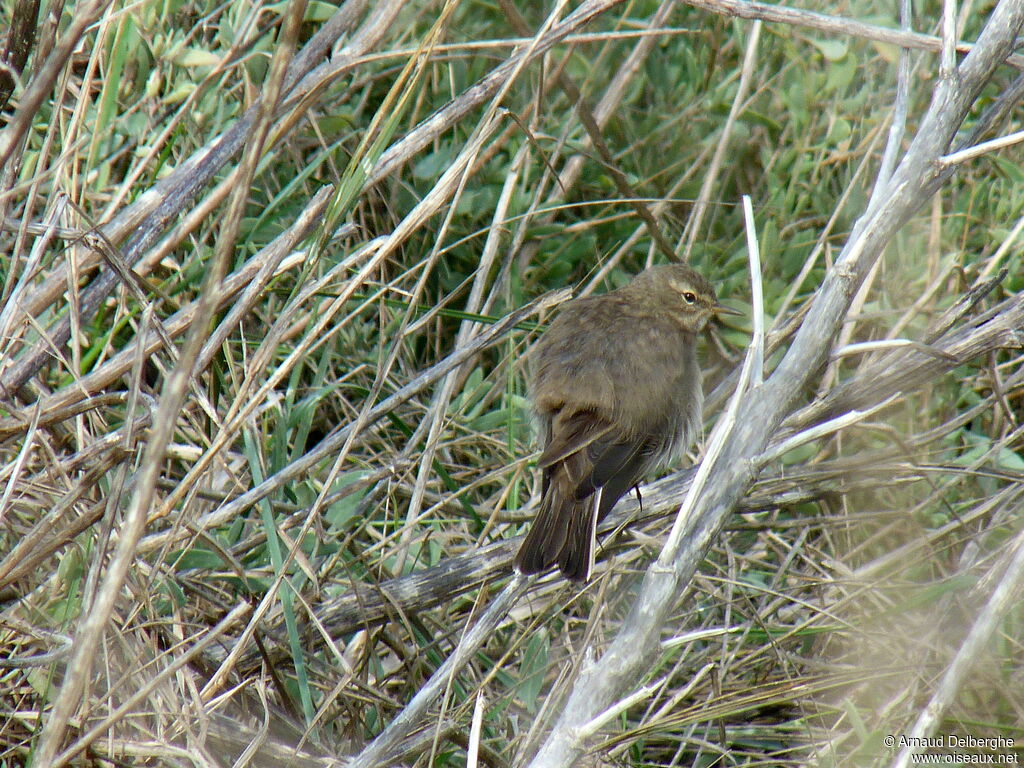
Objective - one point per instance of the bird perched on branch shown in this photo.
(617, 391)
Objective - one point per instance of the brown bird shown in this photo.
(617, 391)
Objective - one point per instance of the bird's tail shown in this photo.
(563, 532)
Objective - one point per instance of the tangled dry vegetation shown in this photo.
(270, 274)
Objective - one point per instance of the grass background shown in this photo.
(827, 619)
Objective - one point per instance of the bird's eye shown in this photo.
(689, 297)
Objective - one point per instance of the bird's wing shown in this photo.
(572, 433)
(618, 467)
(586, 453)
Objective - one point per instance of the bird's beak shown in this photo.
(721, 309)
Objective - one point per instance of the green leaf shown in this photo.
(833, 50)
(196, 57)
(196, 558)
(532, 669)
(340, 512)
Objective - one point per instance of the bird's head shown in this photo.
(683, 293)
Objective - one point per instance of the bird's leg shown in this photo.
(639, 498)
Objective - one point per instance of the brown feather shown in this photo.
(617, 391)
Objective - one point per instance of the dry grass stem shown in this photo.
(269, 280)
